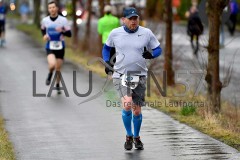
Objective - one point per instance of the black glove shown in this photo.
(107, 69)
(146, 54)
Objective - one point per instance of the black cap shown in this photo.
(130, 12)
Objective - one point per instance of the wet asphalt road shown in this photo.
(57, 127)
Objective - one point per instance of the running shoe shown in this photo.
(138, 143)
(58, 88)
(129, 143)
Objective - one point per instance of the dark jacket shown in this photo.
(194, 26)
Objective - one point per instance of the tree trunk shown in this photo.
(46, 6)
(88, 25)
(36, 21)
(101, 7)
(168, 46)
(215, 9)
(59, 5)
(150, 9)
(75, 27)
(58, 2)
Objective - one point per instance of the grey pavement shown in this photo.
(57, 127)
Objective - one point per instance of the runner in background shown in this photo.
(3, 12)
(105, 25)
(54, 27)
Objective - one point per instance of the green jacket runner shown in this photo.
(106, 24)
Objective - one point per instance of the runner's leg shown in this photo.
(137, 120)
(58, 67)
(127, 114)
(51, 62)
(51, 66)
(127, 121)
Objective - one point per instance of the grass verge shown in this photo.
(6, 148)
(220, 126)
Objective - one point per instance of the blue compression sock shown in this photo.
(127, 121)
(137, 121)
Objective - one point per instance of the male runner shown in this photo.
(54, 27)
(3, 12)
(130, 70)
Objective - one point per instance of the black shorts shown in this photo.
(59, 54)
(2, 26)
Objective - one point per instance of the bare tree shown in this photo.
(58, 2)
(101, 7)
(59, 5)
(36, 20)
(75, 27)
(215, 10)
(46, 6)
(168, 45)
(150, 9)
(88, 25)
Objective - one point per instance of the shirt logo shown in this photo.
(140, 35)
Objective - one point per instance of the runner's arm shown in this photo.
(66, 29)
(67, 33)
(157, 52)
(106, 58)
(43, 31)
(106, 53)
(154, 45)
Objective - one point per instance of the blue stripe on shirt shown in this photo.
(157, 52)
(106, 53)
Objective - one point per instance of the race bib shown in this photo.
(130, 81)
(2, 16)
(56, 45)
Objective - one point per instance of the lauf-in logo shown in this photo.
(129, 78)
